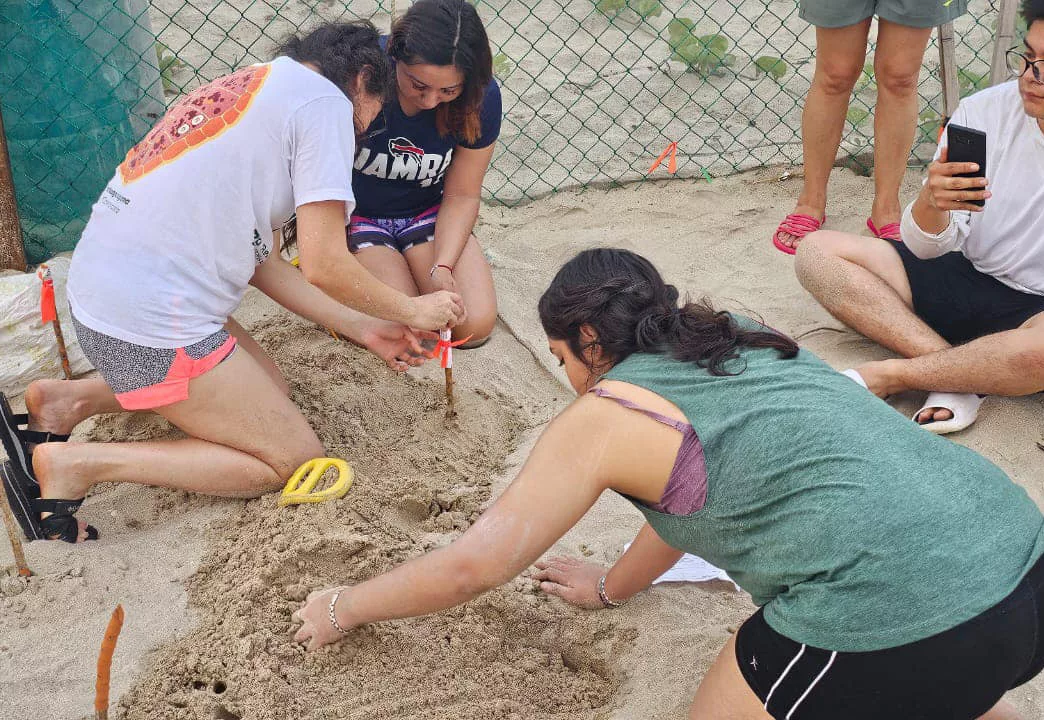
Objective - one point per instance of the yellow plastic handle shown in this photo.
(299, 488)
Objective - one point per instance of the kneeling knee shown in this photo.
(286, 464)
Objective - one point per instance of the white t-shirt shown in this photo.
(174, 239)
(1006, 239)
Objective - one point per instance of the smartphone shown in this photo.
(967, 145)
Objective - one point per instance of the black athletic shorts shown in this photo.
(961, 303)
(958, 674)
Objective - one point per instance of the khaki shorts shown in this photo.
(912, 13)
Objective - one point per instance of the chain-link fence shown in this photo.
(593, 89)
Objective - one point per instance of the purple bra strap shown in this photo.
(676, 424)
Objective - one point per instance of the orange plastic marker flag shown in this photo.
(444, 349)
(101, 686)
(670, 153)
(48, 311)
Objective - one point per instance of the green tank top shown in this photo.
(854, 528)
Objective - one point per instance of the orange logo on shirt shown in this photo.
(200, 116)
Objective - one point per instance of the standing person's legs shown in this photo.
(897, 67)
(840, 54)
(474, 283)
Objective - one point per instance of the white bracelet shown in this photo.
(605, 598)
(333, 614)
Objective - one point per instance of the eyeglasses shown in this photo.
(378, 126)
(1019, 63)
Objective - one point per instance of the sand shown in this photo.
(209, 585)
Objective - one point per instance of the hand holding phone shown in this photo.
(957, 180)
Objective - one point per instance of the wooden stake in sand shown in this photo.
(49, 314)
(12, 253)
(101, 687)
(13, 537)
(447, 364)
(444, 351)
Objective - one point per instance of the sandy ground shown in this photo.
(208, 585)
(590, 97)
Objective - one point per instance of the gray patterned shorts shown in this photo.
(145, 377)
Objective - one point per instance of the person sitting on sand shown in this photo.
(711, 424)
(962, 297)
(181, 230)
(419, 171)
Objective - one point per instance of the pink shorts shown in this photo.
(144, 377)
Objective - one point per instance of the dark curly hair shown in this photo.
(623, 298)
(1032, 11)
(448, 32)
(342, 51)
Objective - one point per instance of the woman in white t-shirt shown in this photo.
(185, 225)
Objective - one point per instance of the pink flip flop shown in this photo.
(885, 232)
(798, 225)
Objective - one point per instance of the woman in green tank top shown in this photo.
(856, 538)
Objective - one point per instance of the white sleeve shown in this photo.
(322, 150)
(927, 245)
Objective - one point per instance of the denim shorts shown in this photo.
(911, 13)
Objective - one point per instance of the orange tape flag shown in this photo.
(444, 350)
(670, 154)
(48, 311)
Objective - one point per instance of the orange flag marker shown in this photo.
(101, 686)
(670, 154)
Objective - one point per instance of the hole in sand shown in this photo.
(219, 687)
(198, 685)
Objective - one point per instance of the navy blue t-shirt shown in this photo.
(401, 171)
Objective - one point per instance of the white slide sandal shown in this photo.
(964, 406)
(853, 375)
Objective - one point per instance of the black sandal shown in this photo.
(26, 507)
(17, 438)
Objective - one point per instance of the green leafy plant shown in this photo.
(971, 82)
(502, 65)
(928, 123)
(775, 67)
(866, 78)
(704, 55)
(856, 116)
(168, 65)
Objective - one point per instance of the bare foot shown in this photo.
(929, 415)
(51, 408)
(791, 241)
(882, 214)
(55, 466)
(881, 377)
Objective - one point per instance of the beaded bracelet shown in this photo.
(333, 614)
(605, 598)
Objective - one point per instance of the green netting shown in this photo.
(593, 89)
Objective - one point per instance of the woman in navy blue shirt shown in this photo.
(419, 168)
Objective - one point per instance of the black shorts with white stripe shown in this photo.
(958, 674)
